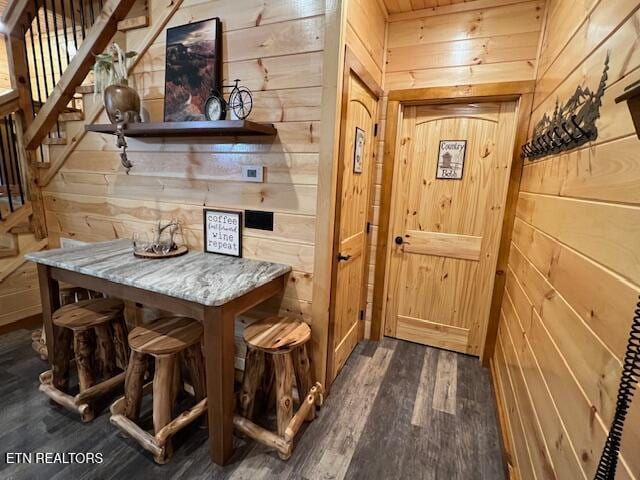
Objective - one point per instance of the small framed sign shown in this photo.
(223, 232)
(451, 159)
(358, 151)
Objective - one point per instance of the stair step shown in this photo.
(4, 253)
(7, 240)
(26, 243)
(132, 23)
(84, 89)
(54, 141)
(38, 105)
(71, 116)
(8, 245)
(17, 217)
(24, 227)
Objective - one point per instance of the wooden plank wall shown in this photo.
(5, 79)
(366, 35)
(480, 41)
(19, 295)
(5, 76)
(574, 267)
(19, 292)
(275, 48)
(474, 42)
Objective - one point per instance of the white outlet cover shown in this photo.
(253, 173)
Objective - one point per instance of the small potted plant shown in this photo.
(111, 77)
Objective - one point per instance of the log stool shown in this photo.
(86, 323)
(164, 339)
(68, 294)
(277, 345)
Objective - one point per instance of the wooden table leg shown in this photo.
(219, 353)
(50, 298)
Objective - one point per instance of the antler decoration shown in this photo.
(571, 125)
(173, 226)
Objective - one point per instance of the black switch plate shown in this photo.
(258, 220)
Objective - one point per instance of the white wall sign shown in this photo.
(451, 159)
(223, 232)
(358, 151)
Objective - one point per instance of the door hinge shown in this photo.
(375, 130)
(368, 227)
(361, 314)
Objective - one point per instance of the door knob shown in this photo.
(399, 240)
(343, 257)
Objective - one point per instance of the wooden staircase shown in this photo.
(17, 223)
(40, 118)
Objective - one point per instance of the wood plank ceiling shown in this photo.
(398, 6)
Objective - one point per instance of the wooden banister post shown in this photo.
(34, 192)
(15, 19)
(19, 71)
(17, 56)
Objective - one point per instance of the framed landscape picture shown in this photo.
(193, 68)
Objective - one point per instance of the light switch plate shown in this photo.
(253, 173)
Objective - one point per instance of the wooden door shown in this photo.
(350, 241)
(444, 233)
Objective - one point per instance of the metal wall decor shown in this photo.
(571, 125)
(240, 102)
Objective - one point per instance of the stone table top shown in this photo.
(205, 278)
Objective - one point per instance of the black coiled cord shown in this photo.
(628, 383)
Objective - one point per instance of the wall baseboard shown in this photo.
(26, 323)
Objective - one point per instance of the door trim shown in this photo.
(521, 91)
(352, 65)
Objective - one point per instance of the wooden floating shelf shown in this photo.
(229, 128)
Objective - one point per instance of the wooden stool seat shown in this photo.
(95, 333)
(276, 350)
(87, 314)
(168, 340)
(68, 294)
(165, 336)
(277, 334)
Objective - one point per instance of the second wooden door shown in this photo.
(354, 185)
(450, 182)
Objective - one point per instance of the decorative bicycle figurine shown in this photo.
(240, 103)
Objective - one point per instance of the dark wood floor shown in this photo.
(397, 410)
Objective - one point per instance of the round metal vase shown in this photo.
(120, 97)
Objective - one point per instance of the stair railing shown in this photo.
(50, 47)
(13, 186)
(91, 25)
(52, 35)
(12, 179)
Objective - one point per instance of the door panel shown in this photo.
(351, 240)
(445, 233)
(443, 244)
